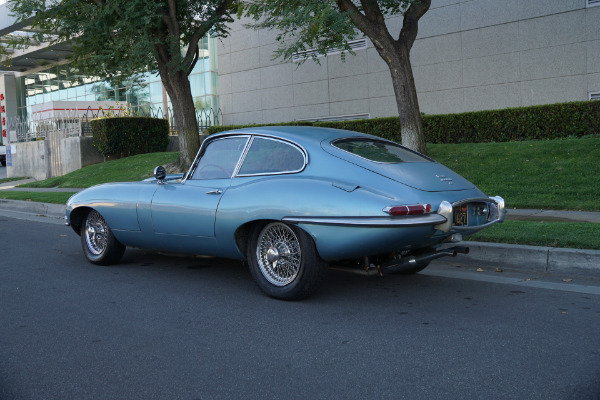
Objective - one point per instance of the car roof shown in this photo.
(303, 135)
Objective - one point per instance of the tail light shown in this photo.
(416, 209)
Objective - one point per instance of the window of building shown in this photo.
(592, 3)
(355, 45)
(347, 117)
(594, 95)
(144, 94)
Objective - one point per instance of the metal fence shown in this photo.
(68, 123)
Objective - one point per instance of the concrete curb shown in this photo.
(533, 258)
(33, 207)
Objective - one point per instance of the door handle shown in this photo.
(214, 191)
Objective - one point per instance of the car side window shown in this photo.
(270, 156)
(220, 158)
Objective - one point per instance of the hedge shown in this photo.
(127, 136)
(552, 121)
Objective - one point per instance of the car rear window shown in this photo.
(379, 151)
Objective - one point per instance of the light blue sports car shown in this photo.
(290, 201)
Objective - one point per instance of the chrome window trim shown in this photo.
(277, 139)
(332, 143)
(205, 144)
(243, 157)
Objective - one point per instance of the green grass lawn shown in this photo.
(549, 174)
(127, 169)
(577, 235)
(42, 197)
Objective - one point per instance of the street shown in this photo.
(166, 327)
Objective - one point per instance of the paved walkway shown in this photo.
(514, 214)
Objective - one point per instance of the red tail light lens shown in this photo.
(416, 209)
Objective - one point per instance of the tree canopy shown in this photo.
(117, 39)
(321, 24)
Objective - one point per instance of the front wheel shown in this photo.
(284, 262)
(99, 244)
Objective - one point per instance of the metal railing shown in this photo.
(70, 123)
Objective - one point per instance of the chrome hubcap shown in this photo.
(278, 254)
(95, 233)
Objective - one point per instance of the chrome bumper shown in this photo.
(446, 209)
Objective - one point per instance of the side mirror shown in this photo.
(160, 173)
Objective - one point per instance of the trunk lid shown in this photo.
(427, 176)
(419, 172)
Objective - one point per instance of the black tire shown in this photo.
(99, 244)
(284, 262)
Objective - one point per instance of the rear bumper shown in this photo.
(497, 212)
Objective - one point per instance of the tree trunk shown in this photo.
(396, 54)
(178, 88)
(411, 125)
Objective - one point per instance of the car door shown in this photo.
(190, 208)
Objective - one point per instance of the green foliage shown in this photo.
(115, 39)
(127, 136)
(314, 24)
(525, 123)
(301, 24)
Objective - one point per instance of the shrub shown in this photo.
(552, 121)
(127, 136)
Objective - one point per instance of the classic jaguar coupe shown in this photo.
(290, 201)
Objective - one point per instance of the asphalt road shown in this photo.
(158, 327)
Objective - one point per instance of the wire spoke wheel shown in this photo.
(99, 244)
(284, 261)
(278, 253)
(96, 232)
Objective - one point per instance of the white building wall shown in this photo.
(469, 55)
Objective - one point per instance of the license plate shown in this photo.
(461, 216)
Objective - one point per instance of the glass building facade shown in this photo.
(144, 94)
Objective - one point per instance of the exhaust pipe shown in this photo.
(411, 262)
(399, 265)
